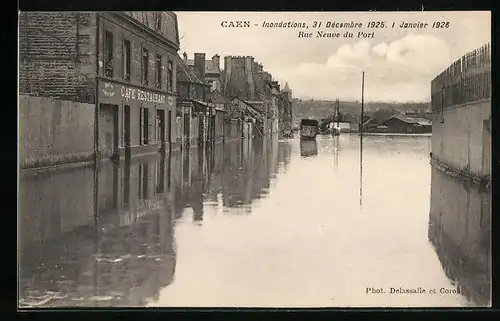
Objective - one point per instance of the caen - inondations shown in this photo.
(354, 29)
(337, 24)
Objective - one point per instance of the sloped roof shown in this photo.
(210, 68)
(404, 118)
(168, 21)
(185, 74)
(423, 121)
(217, 98)
(286, 89)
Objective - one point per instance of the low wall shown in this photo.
(53, 132)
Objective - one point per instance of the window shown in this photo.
(126, 60)
(158, 72)
(145, 65)
(213, 85)
(170, 76)
(158, 21)
(108, 54)
(144, 125)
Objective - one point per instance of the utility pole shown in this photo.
(361, 140)
(362, 103)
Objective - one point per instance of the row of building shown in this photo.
(112, 85)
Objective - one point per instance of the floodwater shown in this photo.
(242, 224)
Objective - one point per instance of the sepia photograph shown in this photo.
(254, 159)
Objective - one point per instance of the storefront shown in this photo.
(133, 120)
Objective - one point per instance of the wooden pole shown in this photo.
(362, 102)
(361, 140)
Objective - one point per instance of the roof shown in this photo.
(424, 121)
(217, 98)
(210, 68)
(404, 118)
(286, 89)
(253, 104)
(167, 19)
(411, 120)
(185, 74)
(369, 120)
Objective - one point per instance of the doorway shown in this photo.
(108, 130)
(126, 129)
(187, 128)
(160, 117)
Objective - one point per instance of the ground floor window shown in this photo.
(144, 125)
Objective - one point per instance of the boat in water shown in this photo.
(308, 128)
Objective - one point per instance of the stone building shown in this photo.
(285, 111)
(122, 63)
(212, 71)
(246, 79)
(191, 109)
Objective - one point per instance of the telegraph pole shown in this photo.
(361, 140)
(362, 103)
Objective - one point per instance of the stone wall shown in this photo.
(54, 131)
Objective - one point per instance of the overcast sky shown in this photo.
(398, 63)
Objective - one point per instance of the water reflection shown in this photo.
(71, 255)
(308, 148)
(231, 225)
(108, 239)
(460, 230)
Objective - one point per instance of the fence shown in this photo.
(467, 80)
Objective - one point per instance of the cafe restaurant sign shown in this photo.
(116, 93)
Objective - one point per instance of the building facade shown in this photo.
(191, 106)
(121, 62)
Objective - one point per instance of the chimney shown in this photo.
(216, 61)
(199, 65)
(185, 55)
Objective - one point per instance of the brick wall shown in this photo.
(54, 131)
(57, 55)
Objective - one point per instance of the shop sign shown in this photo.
(114, 91)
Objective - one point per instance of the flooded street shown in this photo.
(251, 224)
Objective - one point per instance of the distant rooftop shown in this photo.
(210, 68)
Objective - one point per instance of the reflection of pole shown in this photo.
(96, 159)
(361, 140)
(337, 111)
(336, 151)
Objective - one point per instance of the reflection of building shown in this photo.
(308, 148)
(116, 250)
(128, 74)
(460, 214)
(459, 229)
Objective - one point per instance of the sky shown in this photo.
(399, 63)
